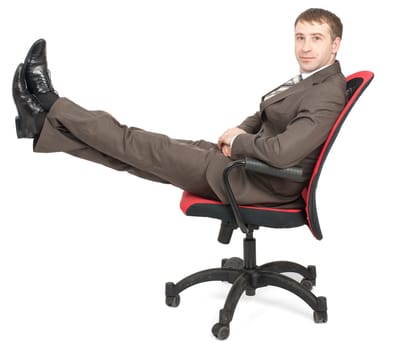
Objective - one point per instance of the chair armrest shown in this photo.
(292, 173)
(250, 164)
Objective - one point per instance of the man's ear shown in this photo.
(336, 45)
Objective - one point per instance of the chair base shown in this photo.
(245, 278)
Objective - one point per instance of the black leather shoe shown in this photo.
(31, 115)
(37, 75)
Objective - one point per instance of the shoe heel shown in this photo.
(21, 130)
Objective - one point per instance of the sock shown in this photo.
(47, 100)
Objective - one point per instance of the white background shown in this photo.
(85, 251)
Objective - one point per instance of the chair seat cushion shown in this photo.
(193, 205)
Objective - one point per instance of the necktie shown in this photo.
(291, 82)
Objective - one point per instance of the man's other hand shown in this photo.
(225, 140)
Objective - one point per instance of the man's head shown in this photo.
(318, 36)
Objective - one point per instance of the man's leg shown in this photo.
(59, 125)
(97, 136)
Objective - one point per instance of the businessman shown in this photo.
(289, 128)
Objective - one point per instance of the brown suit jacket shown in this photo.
(288, 130)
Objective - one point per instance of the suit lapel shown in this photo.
(304, 84)
(292, 90)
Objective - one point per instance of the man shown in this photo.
(289, 128)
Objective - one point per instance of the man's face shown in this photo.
(314, 47)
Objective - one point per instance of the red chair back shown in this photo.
(356, 84)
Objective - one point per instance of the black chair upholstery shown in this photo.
(244, 274)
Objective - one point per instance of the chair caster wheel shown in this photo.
(307, 283)
(320, 316)
(310, 282)
(232, 263)
(221, 331)
(173, 301)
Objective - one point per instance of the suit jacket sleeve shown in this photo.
(306, 131)
(252, 124)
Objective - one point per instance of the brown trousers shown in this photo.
(98, 137)
(194, 166)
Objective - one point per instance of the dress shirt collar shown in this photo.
(306, 75)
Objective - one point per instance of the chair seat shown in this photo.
(193, 205)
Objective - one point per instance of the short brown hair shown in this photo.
(322, 16)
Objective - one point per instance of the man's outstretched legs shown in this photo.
(57, 124)
(72, 129)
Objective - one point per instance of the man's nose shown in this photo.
(306, 46)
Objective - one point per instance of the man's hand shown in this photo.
(224, 142)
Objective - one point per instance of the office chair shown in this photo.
(244, 274)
